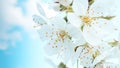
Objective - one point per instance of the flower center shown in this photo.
(69, 9)
(86, 19)
(63, 34)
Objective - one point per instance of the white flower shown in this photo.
(109, 58)
(86, 54)
(90, 56)
(60, 35)
(61, 38)
(110, 55)
(94, 20)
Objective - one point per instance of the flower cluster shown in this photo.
(88, 32)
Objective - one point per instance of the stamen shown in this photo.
(87, 20)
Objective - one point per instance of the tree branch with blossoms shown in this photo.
(83, 32)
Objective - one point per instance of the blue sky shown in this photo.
(20, 46)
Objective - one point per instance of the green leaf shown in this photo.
(91, 2)
(62, 65)
(69, 37)
(114, 43)
(62, 7)
(67, 9)
(103, 17)
(108, 17)
(82, 27)
(65, 18)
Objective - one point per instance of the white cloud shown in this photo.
(13, 14)
(9, 38)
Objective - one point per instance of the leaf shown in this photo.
(62, 65)
(108, 17)
(67, 9)
(65, 18)
(114, 43)
(82, 27)
(91, 2)
(62, 7)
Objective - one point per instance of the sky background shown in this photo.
(20, 46)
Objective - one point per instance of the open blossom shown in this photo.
(60, 36)
(86, 54)
(109, 58)
(95, 20)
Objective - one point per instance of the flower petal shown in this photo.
(76, 34)
(91, 36)
(68, 51)
(103, 55)
(99, 32)
(40, 9)
(80, 7)
(86, 57)
(52, 49)
(39, 20)
(116, 23)
(74, 20)
(58, 22)
(104, 8)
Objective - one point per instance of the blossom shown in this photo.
(94, 20)
(59, 34)
(109, 58)
(86, 54)
(61, 37)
